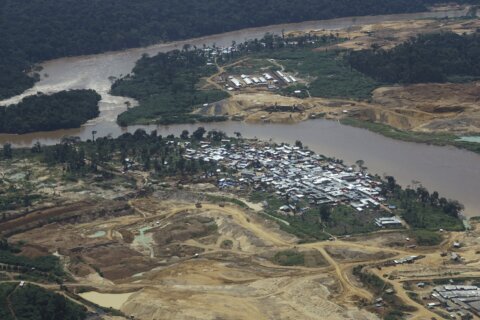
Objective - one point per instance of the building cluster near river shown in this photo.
(293, 173)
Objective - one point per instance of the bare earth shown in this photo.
(215, 262)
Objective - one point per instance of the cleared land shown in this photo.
(172, 256)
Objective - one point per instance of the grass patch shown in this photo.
(426, 237)
(289, 258)
(329, 75)
(251, 66)
(346, 220)
(227, 244)
(220, 199)
(302, 229)
(309, 227)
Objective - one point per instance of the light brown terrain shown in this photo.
(451, 108)
(182, 261)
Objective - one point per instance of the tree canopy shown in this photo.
(62, 110)
(426, 58)
(35, 303)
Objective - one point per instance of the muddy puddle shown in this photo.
(107, 300)
(98, 234)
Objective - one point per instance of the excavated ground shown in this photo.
(185, 262)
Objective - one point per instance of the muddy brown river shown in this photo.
(453, 173)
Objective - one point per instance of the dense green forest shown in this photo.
(37, 30)
(62, 110)
(35, 303)
(427, 58)
(165, 86)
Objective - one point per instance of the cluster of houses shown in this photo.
(462, 299)
(294, 174)
(270, 80)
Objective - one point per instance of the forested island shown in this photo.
(165, 86)
(436, 57)
(38, 30)
(41, 112)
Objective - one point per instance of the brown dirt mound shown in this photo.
(345, 254)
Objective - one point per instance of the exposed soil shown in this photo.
(350, 255)
(429, 107)
(185, 262)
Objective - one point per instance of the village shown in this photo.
(271, 81)
(462, 299)
(295, 174)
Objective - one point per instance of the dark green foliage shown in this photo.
(395, 315)
(346, 220)
(34, 303)
(165, 87)
(426, 237)
(47, 264)
(289, 258)
(62, 110)
(144, 151)
(373, 282)
(5, 290)
(423, 210)
(7, 150)
(70, 156)
(220, 199)
(37, 30)
(426, 58)
(308, 227)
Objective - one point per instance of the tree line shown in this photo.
(150, 152)
(38, 30)
(436, 57)
(41, 112)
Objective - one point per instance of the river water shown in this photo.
(453, 173)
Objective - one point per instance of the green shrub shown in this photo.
(289, 258)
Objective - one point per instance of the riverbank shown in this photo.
(438, 139)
